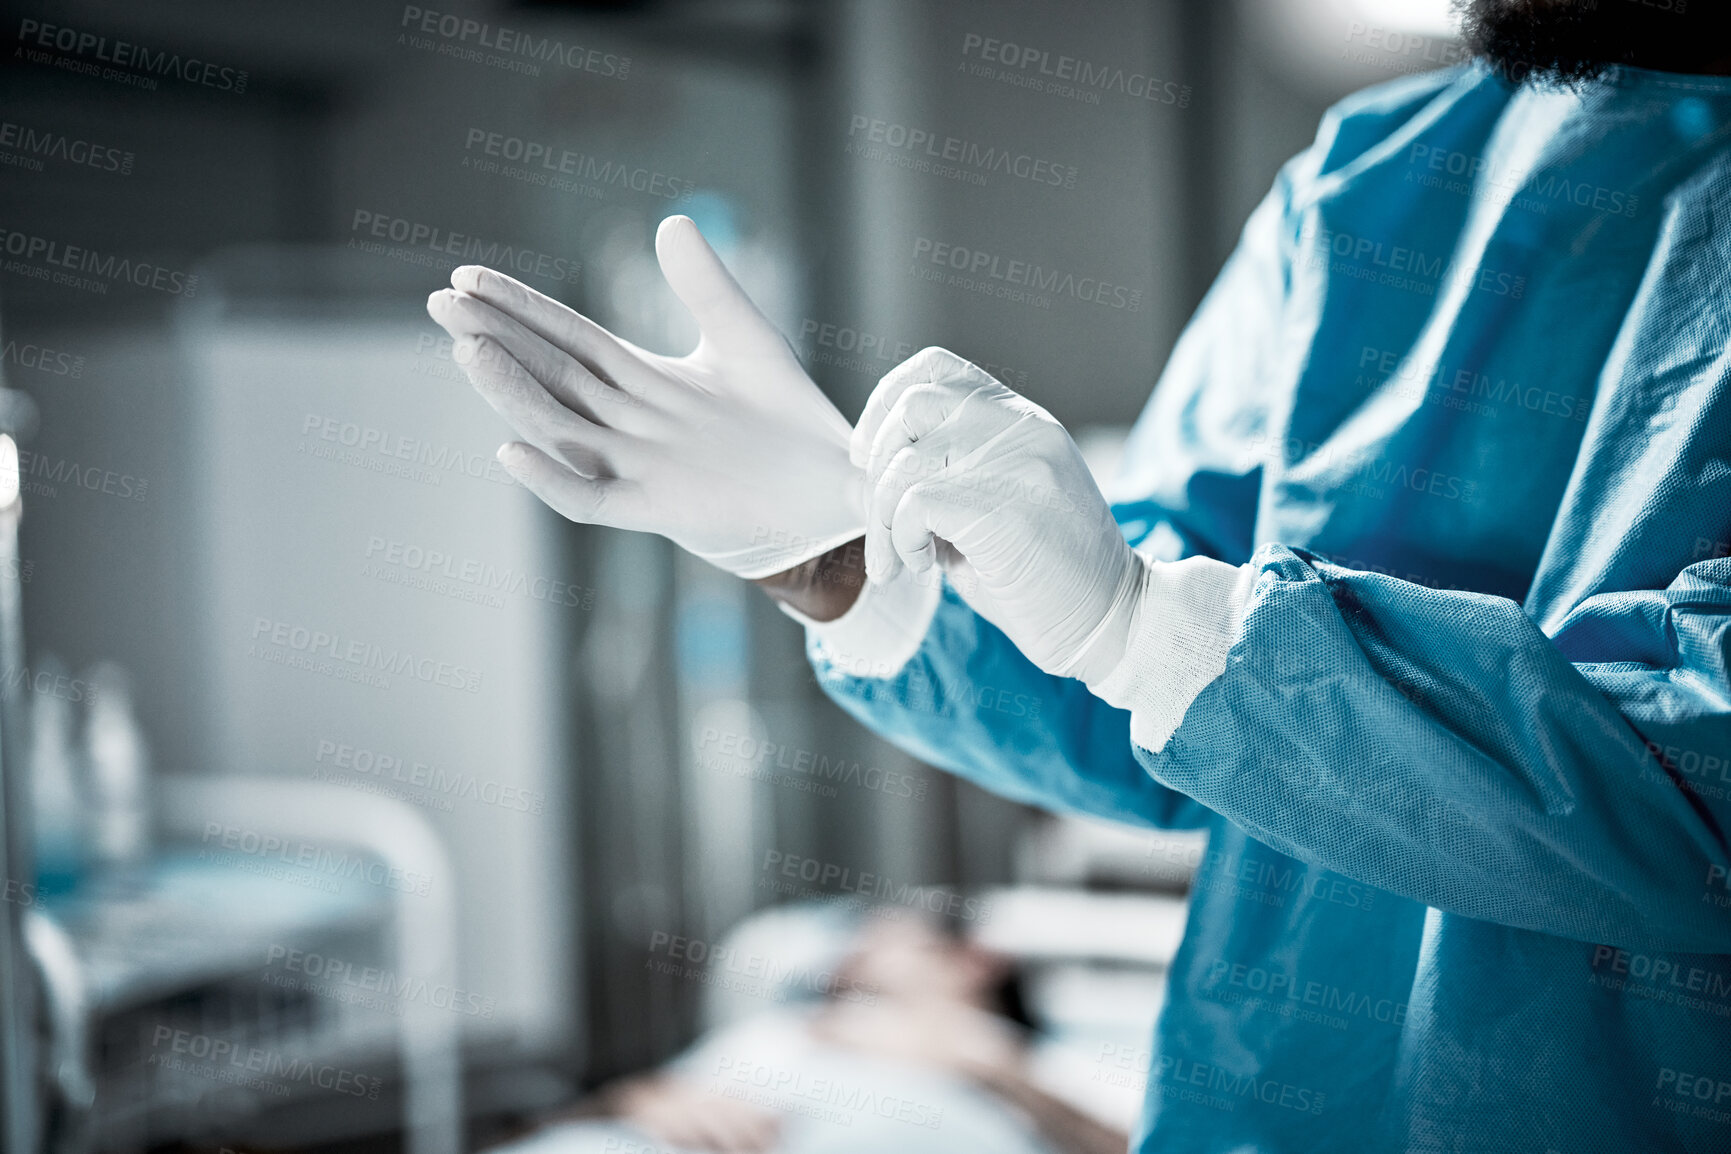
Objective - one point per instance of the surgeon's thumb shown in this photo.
(724, 314)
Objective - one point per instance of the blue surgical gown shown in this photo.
(1463, 396)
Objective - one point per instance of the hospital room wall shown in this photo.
(1134, 200)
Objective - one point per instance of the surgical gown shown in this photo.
(1462, 396)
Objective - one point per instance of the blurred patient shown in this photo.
(932, 1058)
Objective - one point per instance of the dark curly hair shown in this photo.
(1573, 41)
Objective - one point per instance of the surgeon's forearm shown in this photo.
(823, 588)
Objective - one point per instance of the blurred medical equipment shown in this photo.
(204, 981)
(56, 809)
(88, 770)
(118, 766)
(251, 964)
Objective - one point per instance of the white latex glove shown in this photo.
(731, 452)
(966, 474)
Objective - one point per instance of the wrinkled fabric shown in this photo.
(1463, 397)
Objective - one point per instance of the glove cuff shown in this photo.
(1104, 648)
(1184, 622)
(820, 510)
(779, 552)
(881, 631)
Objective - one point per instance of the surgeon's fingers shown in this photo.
(529, 409)
(928, 366)
(915, 417)
(589, 500)
(881, 562)
(724, 314)
(565, 377)
(906, 468)
(611, 358)
(925, 523)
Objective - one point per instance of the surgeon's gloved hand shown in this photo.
(731, 451)
(965, 474)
